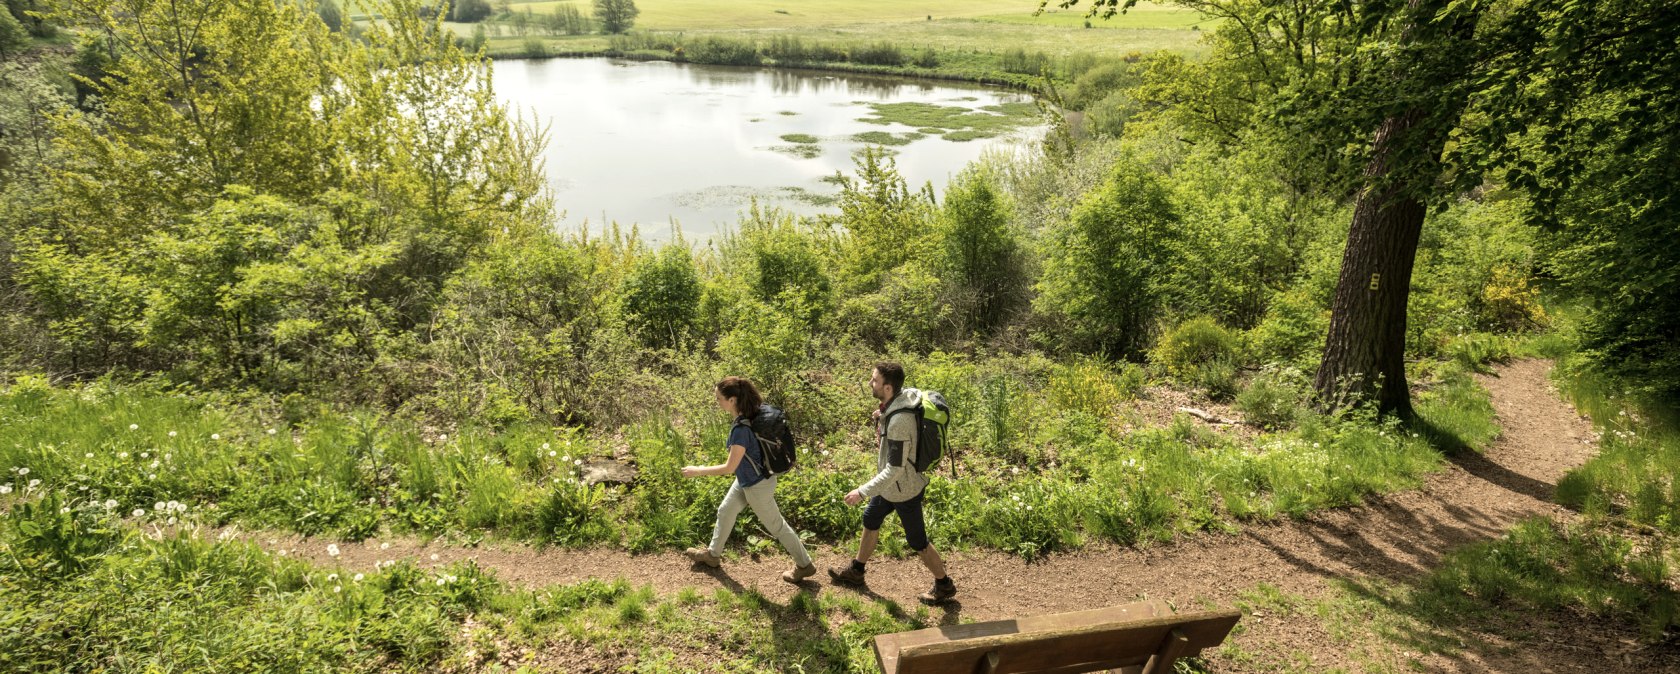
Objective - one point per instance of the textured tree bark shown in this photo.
(1364, 353)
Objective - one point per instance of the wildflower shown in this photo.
(825, 452)
(434, 557)
(151, 476)
(111, 504)
(175, 506)
(34, 483)
(88, 455)
(551, 454)
(545, 446)
(139, 512)
(64, 511)
(172, 434)
(171, 520)
(357, 578)
(384, 546)
(122, 455)
(22, 472)
(145, 455)
(566, 459)
(1014, 470)
(134, 427)
(154, 465)
(282, 552)
(158, 506)
(332, 577)
(443, 438)
(271, 431)
(215, 436)
(337, 589)
(440, 580)
(577, 462)
(1315, 445)
(332, 549)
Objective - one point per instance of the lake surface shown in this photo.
(655, 143)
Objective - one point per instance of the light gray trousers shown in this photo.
(762, 498)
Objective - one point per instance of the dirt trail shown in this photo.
(1393, 538)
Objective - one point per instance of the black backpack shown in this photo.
(933, 416)
(775, 440)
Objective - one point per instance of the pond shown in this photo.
(662, 144)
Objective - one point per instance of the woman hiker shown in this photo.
(754, 486)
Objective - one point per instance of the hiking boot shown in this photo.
(845, 575)
(704, 556)
(799, 573)
(941, 592)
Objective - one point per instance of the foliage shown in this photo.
(661, 296)
(1104, 266)
(615, 16)
(984, 260)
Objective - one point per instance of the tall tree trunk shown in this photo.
(1364, 354)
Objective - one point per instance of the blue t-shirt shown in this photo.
(746, 474)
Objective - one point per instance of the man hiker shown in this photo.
(897, 486)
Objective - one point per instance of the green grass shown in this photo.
(691, 15)
(886, 138)
(180, 602)
(1042, 446)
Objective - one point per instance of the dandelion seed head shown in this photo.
(111, 504)
(145, 455)
(171, 519)
(23, 471)
(357, 578)
(332, 549)
(332, 577)
(337, 589)
(215, 436)
(139, 512)
(384, 546)
(122, 455)
(88, 455)
(34, 483)
(172, 434)
(134, 427)
(551, 454)
(271, 431)
(434, 557)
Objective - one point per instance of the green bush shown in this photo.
(982, 255)
(662, 296)
(1104, 263)
(1274, 398)
(1195, 345)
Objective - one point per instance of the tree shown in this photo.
(330, 15)
(1104, 266)
(14, 38)
(469, 11)
(616, 16)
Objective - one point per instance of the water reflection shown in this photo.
(656, 142)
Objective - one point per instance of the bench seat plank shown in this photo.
(887, 646)
(1109, 638)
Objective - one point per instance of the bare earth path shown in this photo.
(1393, 538)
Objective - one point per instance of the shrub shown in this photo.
(1103, 264)
(1274, 398)
(982, 255)
(1196, 343)
(662, 295)
(878, 54)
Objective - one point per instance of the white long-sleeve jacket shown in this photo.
(897, 479)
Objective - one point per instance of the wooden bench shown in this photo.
(1143, 637)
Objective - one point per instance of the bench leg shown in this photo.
(1171, 649)
(988, 664)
